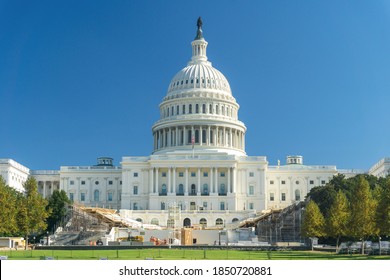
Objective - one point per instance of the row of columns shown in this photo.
(214, 182)
(48, 185)
(203, 135)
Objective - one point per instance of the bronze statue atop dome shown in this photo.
(199, 34)
(199, 23)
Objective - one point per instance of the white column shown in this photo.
(151, 180)
(169, 137)
(156, 179)
(186, 186)
(234, 180)
(224, 137)
(184, 136)
(200, 135)
(44, 189)
(231, 137)
(199, 191)
(169, 188)
(177, 136)
(229, 181)
(174, 180)
(211, 180)
(208, 136)
(216, 180)
(216, 136)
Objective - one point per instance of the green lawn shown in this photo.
(180, 254)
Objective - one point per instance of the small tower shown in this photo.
(105, 161)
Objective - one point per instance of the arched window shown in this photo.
(139, 220)
(211, 137)
(235, 220)
(162, 205)
(204, 108)
(297, 195)
(219, 222)
(222, 189)
(154, 221)
(197, 108)
(177, 110)
(184, 109)
(217, 109)
(172, 111)
(163, 189)
(203, 222)
(167, 112)
(210, 109)
(205, 190)
(96, 195)
(190, 109)
(187, 223)
(180, 190)
(193, 189)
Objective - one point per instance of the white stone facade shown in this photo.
(198, 164)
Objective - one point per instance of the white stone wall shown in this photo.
(14, 174)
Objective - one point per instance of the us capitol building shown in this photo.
(198, 164)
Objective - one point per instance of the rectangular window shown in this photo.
(110, 182)
(135, 190)
(181, 174)
(222, 206)
(193, 174)
(135, 174)
(83, 182)
(251, 190)
(82, 197)
(251, 206)
(283, 196)
(311, 182)
(120, 182)
(109, 196)
(222, 174)
(283, 182)
(71, 196)
(271, 197)
(323, 182)
(71, 182)
(164, 174)
(204, 205)
(251, 174)
(205, 174)
(135, 206)
(271, 182)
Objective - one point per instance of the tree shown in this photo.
(323, 196)
(57, 206)
(313, 221)
(383, 210)
(338, 218)
(32, 212)
(8, 197)
(363, 206)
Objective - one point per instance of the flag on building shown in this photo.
(193, 141)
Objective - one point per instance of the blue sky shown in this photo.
(83, 79)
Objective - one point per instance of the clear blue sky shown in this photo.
(83, 79)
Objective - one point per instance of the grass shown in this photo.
(181, 254)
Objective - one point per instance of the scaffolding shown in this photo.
(173, 224)
(282, 225)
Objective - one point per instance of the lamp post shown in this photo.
(47, 238)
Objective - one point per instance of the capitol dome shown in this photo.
(199, 109)
(199, 75)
